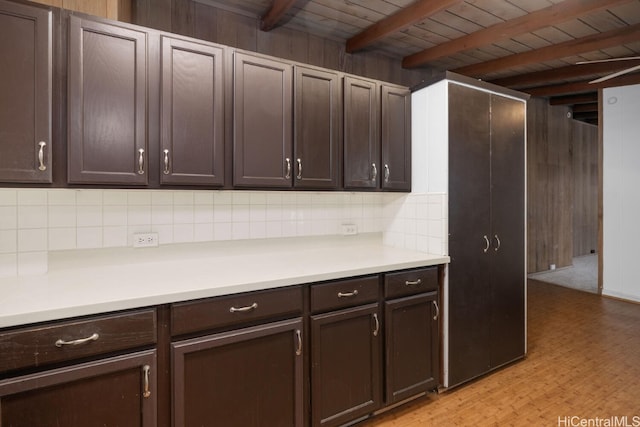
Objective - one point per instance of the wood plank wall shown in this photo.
(561, 186)
(585, 188)
(549, 186)
(206, 22)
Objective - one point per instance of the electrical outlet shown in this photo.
(145, 240)
(349, 229)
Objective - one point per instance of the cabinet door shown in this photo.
(192, 129)
(412, 346)
(345, 365)
(249, 377)
(107, 104)
(25, 93)
(361, 138)
(396, 138)
(469, 233)
(262, 122)
(317, 128)
(118, 391)
(507, 225)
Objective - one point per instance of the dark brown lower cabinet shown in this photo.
(116, 391)
(346, 367)
(246, 377)
(412, 346)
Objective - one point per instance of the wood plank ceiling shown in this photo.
(529, 45)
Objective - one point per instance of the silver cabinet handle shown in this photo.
(377, 329)
(141, 161)
(486, 248)
(299, 161)
(146, 369)
(288, 174)
(166, 162)
(244, 309)
(41, 166)
(386, 173)
(435, 305)
(374, 172)
(413, 282)
(497, 240)
(348, 294)
(299, 337)
(94, 337)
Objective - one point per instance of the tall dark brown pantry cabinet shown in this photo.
(469, 140)
(25, 93)
(486, 231)
(107, 104)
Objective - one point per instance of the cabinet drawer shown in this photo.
(59, 342)
(409, 282)
(344, 293)
(202, 315)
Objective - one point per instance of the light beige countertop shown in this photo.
(102, 280)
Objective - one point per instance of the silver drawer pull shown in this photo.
(140, 161)
(299, 337)
(413, 282)
(486, 240)
(299, 176)
(374, 172)
(386, 173)
(348, 294)
(288, 173)
(435, 305)
(244, 309)
(145, 371)
(377, 329)
(166, 162)
(41, 166)
(93, 337)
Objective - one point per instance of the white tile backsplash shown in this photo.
(32, 240)
(8, 265)
(34, 221)
(8, 217)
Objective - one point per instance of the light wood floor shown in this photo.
(584, 360)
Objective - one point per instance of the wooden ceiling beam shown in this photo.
(585, 108)
(278, 9)
(574, 47)
(555, 14)
(563, 73)
(400, 20)
(574, 99)
(578, 87)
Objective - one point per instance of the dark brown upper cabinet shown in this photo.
(361, 136)
(107, 104)
(262, 125)
(396, 138)
(317, 128)
(192, 118)
(25, 93)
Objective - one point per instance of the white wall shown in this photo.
(621, 192)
